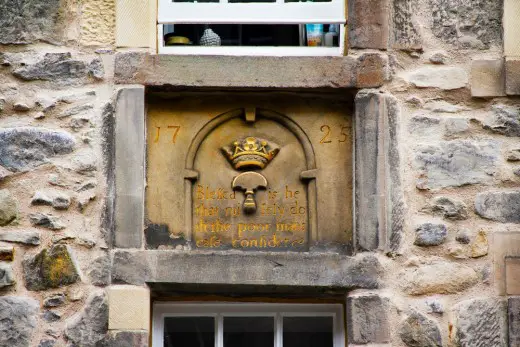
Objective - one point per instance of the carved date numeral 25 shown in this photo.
(326, 130)
(175, 128)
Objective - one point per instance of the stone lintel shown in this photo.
(319, 271)
(364, 71)
(379, 204)
(129, 168)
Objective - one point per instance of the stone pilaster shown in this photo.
(379, 206)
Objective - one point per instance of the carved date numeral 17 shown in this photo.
(327, 136)
(175, 128)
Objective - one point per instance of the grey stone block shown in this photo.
(481, 20)
(129, 168)
(47, 221)
(302, 270)
(18, 319)
(367, 319)
(379, 206)
(108, 147)
(481, 322)
(513, 314)
(368, 23)
(447, 207)
(24, 237)
(405, 33)
(417, 330)
(422, 125)
(24, 148)
(6, 275)
(126, 339)
(53, 67)
(499, 206)
(89, 327)
(54, 300)
(429, 234)
(99, 271)
(506, 120)
(130, 268)
(25, 21)
(456, 163)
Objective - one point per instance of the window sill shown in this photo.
(274, 271)
(368, 70)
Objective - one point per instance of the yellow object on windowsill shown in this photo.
(177, 40)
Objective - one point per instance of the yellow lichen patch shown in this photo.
(58, 268)
(98, 22)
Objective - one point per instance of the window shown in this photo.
(247, 324)
(251, 27)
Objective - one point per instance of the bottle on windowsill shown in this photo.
(332, 37)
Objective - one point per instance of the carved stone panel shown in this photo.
(249, 173)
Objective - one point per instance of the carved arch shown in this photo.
(191, 175)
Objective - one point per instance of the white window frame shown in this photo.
(278, 12)
(251, 50)
(219, 310)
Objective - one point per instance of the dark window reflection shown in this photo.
(248, 332)
(189, 332)
(307, 331)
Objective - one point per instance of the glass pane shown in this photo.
(236, 1)
(189, 332)
(307, 331)
(248, 331)
(308, 0)
(195, 0)
(283, 35)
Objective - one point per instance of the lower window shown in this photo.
(247, 324)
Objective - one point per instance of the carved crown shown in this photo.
(250, 153)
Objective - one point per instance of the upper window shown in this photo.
(251, 27)
(247, 324)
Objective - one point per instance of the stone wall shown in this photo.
(438, 273)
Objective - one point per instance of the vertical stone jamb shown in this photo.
(511, 28)
(136, 22)
(128, 316)
(378, 206)
(129, 167)
(511, 46)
